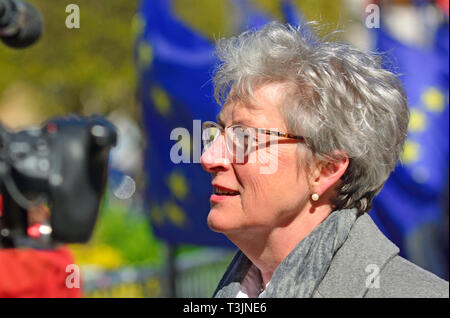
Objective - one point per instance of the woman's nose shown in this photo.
(215, 157)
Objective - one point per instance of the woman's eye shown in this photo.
(210, 135)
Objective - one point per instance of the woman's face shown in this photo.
(260, 201)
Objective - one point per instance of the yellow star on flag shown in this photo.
(433, 99)
(137, 25)
(417, 121)
(144, 55)
(161, 100)
(178, 185)
(175, 214)
(156, 215)
(410, 152)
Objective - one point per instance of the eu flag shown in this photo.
(410, 209)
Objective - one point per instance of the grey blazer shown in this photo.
(366, 265)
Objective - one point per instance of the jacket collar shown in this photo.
(363, 255)
(365, 252)
(230, 283)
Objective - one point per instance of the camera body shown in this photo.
(51, 177)
(55, 174)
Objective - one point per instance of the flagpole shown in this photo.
(171, 271)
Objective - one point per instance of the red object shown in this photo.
(33, 231)
(52, 128)
(27, 273)
(443, 5)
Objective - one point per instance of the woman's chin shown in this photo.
(218, 220)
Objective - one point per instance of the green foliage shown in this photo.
(83, 70)
(215, 18)
(123, 237)
(129, 232)
(91, 69)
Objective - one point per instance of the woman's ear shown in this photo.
(327, 173)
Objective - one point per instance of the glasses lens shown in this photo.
(209, 135)
(239, 141)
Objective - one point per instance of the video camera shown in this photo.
(52, 177)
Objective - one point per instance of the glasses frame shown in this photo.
(258, 130)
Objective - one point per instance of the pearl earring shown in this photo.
(315, 197)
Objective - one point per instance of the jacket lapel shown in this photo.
(230, 283)
(363, 255)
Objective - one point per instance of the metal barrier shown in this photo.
(197, 275)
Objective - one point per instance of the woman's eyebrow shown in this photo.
(241, 122)
(238, 121)
(220, 120)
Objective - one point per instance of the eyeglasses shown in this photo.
(240, 139)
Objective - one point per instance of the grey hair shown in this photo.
(338, 97)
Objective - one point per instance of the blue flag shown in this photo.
(410, 209)
(175, 65)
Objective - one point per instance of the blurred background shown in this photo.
(147, 66)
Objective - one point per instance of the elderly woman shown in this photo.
(308, 134)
